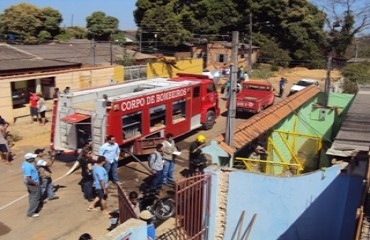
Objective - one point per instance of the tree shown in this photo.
(51, 20)
(295, 26)
(76, 32)
(345, 19)
(101, 26)
(23, 21)
(27, 22)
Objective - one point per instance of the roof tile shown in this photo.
(249, 130)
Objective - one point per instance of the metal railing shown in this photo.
(192, 207)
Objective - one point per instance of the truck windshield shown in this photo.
(211, 88)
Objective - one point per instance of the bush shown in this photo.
(274, 68)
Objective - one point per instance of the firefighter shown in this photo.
(197, 160)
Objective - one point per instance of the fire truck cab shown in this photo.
(138, 114)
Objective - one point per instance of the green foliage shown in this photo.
(101, 26)
(63, 37)
(127, 60)
(44, 35)
(358, 73)
(274, 68)
(27, 22)
(271, 53)
(76, 32)
(51, 20)
(349, 87)
(293, 36)
(119, 38)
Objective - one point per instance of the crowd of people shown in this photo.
(97, 173)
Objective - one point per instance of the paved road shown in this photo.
(67, 218)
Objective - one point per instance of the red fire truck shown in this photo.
(138, 114)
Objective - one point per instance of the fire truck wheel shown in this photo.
(210, 120)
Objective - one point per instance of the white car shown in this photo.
(301, 84)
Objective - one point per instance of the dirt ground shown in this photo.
(67, 217)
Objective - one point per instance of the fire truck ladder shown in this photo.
(63, 134)
(97, 132)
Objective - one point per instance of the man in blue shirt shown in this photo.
(101, 185)
(110, 150)
(282, 86)
(31, 179)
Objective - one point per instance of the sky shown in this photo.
(74, 12)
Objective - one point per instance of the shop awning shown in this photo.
(75, 118)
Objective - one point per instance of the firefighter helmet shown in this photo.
(201, 138)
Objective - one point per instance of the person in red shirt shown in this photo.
(33, 107)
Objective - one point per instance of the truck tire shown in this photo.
(210, 120)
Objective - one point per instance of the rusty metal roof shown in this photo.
(261, 122)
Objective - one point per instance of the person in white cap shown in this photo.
(147, 216)
(43, 167)
(31, 179)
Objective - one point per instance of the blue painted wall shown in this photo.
(318, 205)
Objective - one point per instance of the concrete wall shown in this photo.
(132, 229)
(75, 79)
(319, 205)
(169, 68)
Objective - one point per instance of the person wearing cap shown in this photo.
(111, 151)
(101, 185)
(31, 179)
(43, 167)
(196, 158)
(148, 218)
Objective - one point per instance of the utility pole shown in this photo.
(250, 46)
(111, 50)
(232, 94)
(140, 36)
(94, 50)
(328, 79)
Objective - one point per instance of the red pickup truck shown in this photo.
(254, 96)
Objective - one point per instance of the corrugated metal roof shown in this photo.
(12, 58)
(260, 123)
(354, 133)
(82, 51)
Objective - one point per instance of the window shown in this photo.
(134, 73)
(157, 117)
(196, 92)
(211, 88)
(221, 58)
(131, 125)
(178, 111)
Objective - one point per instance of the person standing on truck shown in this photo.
(197, 159)
(169, 148)
(155, 161)
(111, 151)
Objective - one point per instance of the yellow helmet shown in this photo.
(201, 138)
